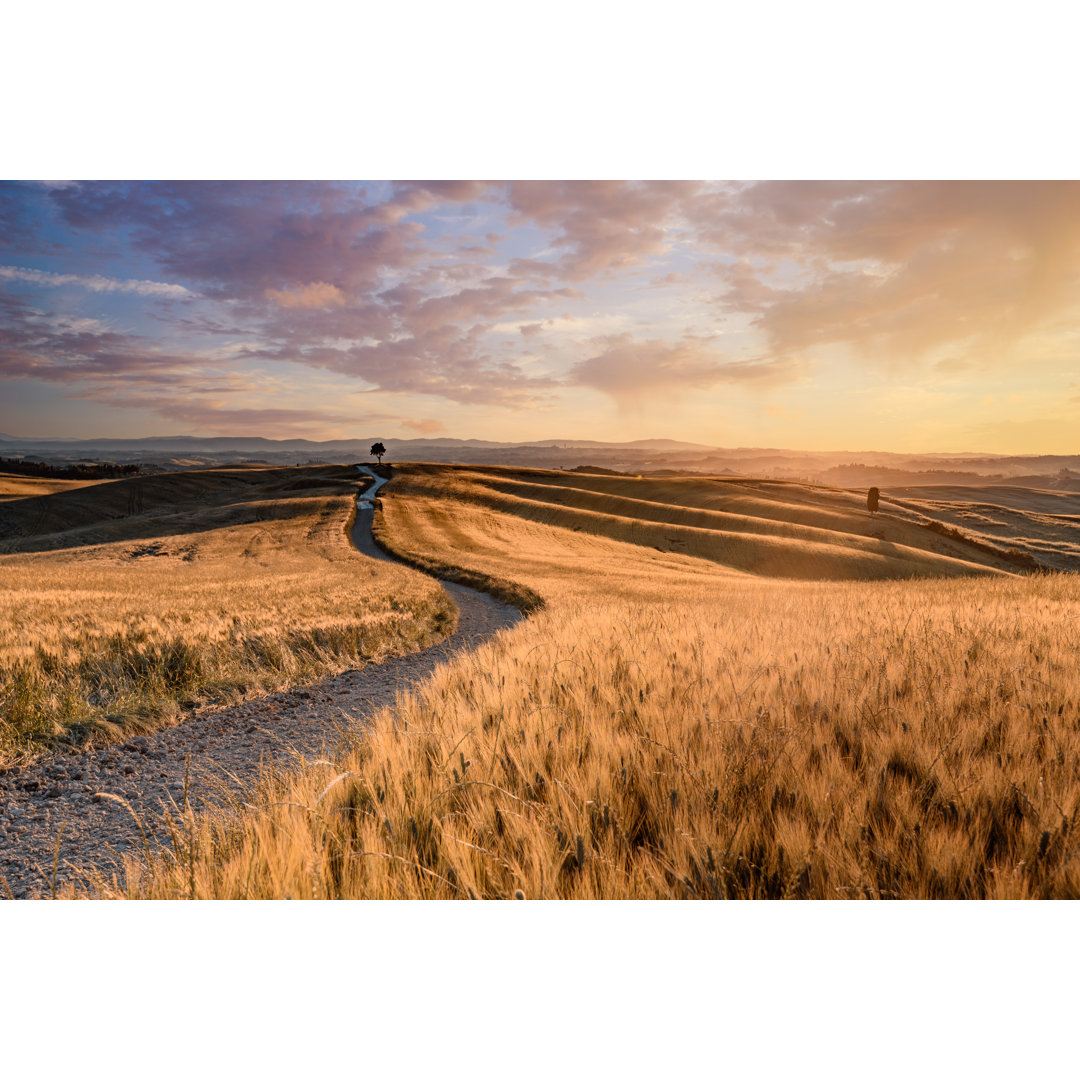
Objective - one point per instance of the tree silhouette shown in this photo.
(872, 500)
(377, 450)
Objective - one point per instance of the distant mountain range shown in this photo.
(842, 468)
(157, 443)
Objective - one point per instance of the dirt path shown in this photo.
(216, 753)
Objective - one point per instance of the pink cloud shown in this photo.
(424, 427)
(53, 349)
(239, 239)
(308, 266)
(327, 276)
(604, 225)
(317, 294)
(213, 417)
(633, 371)
(896, 270)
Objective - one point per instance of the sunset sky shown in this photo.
(913, 316)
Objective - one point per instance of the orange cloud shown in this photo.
(605, 225)
(956, 276)
(318, 294)
(427, 426)
(633, 372)
(898, 270)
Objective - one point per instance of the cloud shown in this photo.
(93, 282)
(95, 362)
(328, 278)
(893, 271)
(673, 278)
(634, 372)
(214, 418)
(604, 226)
(33, 345)
(415, 196)
(237, 240)
(387, 286)
(24, 207)
(317, 294)
(897, 271)
(745, 291)
(425, 427)
(444, 361)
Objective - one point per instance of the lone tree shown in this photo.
(872, 500)
(378, 450)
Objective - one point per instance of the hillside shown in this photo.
(17, 486)
(125, 603)
(1041, 524)
(839, 467)
(138, 506)
(767, 528)
(727, 686)
(711, 698)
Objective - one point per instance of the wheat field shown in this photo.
(17, 486)
(121, 606)
(670, 725)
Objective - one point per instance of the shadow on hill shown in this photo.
(142, 508)
(762, 527)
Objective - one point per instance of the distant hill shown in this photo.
(843, 468)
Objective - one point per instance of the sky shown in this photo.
(914, 316)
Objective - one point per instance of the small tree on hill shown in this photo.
(872, 500)
(378, 450)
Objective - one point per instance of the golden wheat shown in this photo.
(15, 486)
(105, 639)
(667, 727)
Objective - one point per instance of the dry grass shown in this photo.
(256, 593)
(1027, 523)
(668, 727)
(769, 528)
(15, 486)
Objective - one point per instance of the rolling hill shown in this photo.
(766, 528)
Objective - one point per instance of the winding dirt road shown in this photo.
(68, 815)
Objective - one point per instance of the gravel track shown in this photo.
(214, 754)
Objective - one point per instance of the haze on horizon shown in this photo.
(908, 316)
